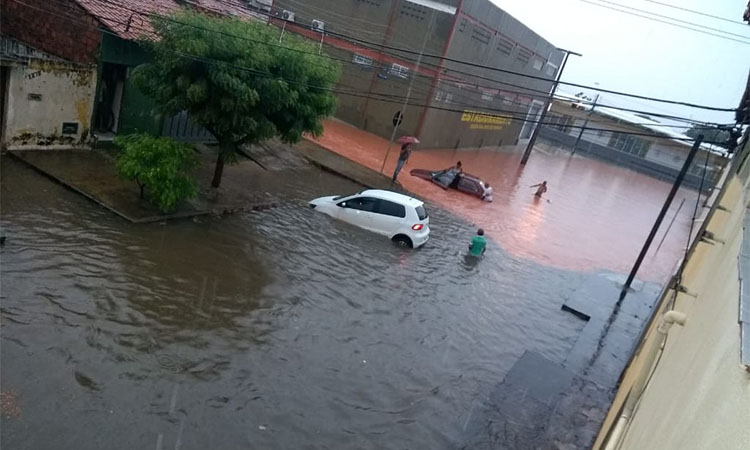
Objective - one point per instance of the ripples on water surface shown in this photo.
(281, 329)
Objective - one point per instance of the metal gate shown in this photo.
(181, 128)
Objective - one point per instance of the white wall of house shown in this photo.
(41, 98)
(668, 154)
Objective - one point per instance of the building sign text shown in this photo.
(484, 121)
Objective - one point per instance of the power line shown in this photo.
(467, 63)
(697, 12)
(665, 22)
(673, 19)
(543, 96)
(468, 105)
(358, 94)
(398, 101)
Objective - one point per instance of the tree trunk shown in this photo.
(218, 171)
(141, 186)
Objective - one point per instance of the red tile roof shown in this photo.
(129, 19)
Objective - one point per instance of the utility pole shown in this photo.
(585, 123)
(543, 114)
(660, 217)
(397, 124)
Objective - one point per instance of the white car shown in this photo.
(403, 219)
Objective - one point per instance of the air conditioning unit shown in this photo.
(318, 25)
(287, 15)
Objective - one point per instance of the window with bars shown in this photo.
(487, 96)
(630, 144)
(413, 10)
(439, 95)
(538, 63)
(362, 60)
(400, 71)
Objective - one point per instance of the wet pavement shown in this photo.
(92, 173)
(277, 329)
(245, 184)
(595, 215)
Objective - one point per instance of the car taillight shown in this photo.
(417, 227)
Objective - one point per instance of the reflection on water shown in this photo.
(281, 329)
(594, 216)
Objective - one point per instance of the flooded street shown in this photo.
(595, 216)
(278, 329)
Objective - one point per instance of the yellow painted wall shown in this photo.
(699, 394)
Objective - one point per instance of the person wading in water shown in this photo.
(541, 188)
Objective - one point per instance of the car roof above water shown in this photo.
(393, 196)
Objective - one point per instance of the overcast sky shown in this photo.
(636, 55)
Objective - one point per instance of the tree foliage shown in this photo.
(162, 168)
(235, 79)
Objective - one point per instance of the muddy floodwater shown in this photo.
(276, 329)
(595, 215)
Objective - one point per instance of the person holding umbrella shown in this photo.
(406, 143)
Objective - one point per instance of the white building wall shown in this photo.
(668, 154)
(41, 97)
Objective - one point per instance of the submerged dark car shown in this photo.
(465, 182)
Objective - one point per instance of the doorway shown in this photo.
(109, 100)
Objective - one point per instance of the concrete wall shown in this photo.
(368, 20)
(699, 395)
(44, 95)
(450, 118)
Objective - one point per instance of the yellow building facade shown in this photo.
(687, 385)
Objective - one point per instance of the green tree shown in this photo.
(235, 79)
(161, 166)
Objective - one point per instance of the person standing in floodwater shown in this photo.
(541, 188)
(478, 244)
(402, 158)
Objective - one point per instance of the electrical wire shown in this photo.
(692, 222)
(379, 97)
(737, 22)
(346, 61)
(476, 65)
(546, 95)
(619, 5)
(495, 69)
(665, 22)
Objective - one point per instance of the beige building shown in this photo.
(687, 387)
(639, 142)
